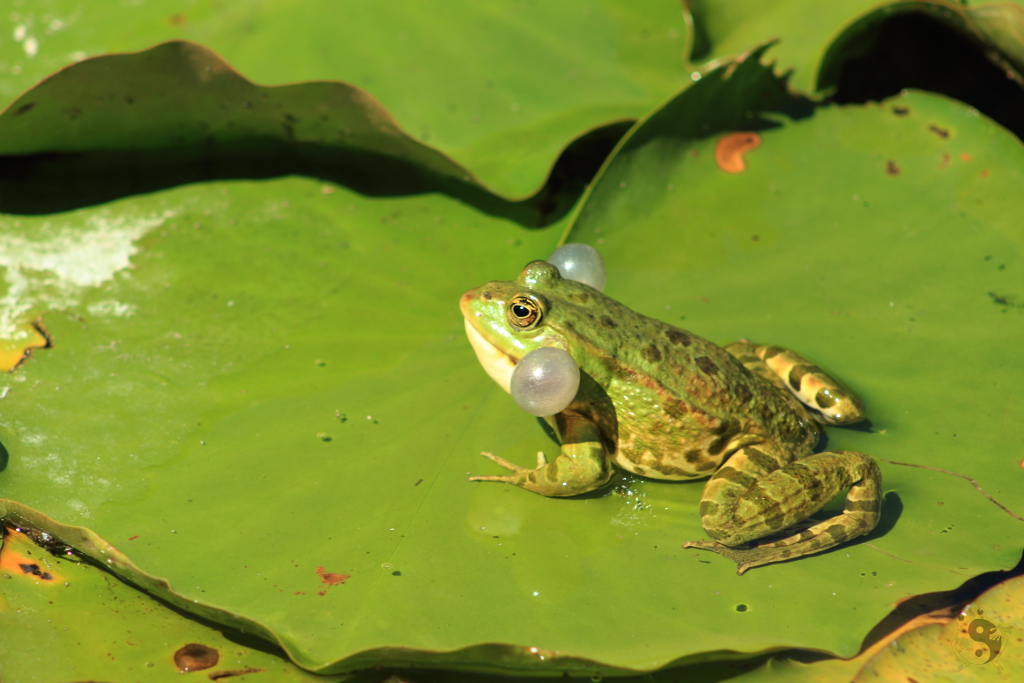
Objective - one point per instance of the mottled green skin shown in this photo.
(664, 403)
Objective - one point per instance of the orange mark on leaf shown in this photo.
(133, 537)
(26, 338)
(17, 558)
(330, 578)
(730, 150)
(984, 173)
(965, 157)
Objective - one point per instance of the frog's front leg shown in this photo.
(752, 497)
(583, 464)
(834, 403)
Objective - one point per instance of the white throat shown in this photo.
(497, 364)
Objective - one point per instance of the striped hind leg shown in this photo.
(758, 494)
(831, 402)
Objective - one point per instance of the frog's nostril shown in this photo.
(486, 296)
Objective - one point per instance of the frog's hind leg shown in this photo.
(834, 404)
(754, 496)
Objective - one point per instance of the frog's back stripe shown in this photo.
(812, 386)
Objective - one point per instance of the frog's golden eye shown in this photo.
(523, 312)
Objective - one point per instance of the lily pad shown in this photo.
(283, 408)
(109, 630)
(501, 87)
(818, 40)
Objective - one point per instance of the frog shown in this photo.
(660, 402)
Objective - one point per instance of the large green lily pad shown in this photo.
(282, 407)
(500, 86)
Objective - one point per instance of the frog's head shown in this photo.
(507, 320)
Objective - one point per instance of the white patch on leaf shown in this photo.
(49, 268)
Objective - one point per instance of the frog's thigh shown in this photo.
(747, 500)
(812, 386)
(581, 466)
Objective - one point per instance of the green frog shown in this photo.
(661, 402)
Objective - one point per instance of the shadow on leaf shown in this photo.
(119, 125)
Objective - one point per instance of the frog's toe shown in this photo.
(744, 556)
(508, 479)
(511, 466)
(516, 470)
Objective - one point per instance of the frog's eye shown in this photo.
(523, 312)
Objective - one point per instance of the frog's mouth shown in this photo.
(497, 363)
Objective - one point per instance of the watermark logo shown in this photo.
(978, 641)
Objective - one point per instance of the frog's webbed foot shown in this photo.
(745, 556)
(581, 466)
(511, 466)
(803, 538)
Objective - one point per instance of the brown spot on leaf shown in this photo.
(176, 19)
(133, 537)
(730, 150)
(707, 365)
(330, 578)
(941, 132)
(901, 111)
(945, 160)
(984, 173)
(24, 109)
(891, 168)
(195, 657)
(33, 569)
